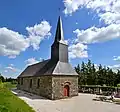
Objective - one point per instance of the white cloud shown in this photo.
(116, 58)
(11, 68)
(110, 17)
(12, 57)
(41, 59)
(5, 71)
(38, 32)
(72, 5)
(107, 11)
(78, 51)
(115, 67)
(31, 61)
(93, 34)
(11, 71)
(11, 65)
(13, 43)
(76, 23)
(96, 66)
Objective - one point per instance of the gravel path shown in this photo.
(81, 103)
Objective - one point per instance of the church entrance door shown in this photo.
(66, 90)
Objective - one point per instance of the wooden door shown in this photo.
(66, 90)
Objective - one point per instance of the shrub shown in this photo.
(14, 82)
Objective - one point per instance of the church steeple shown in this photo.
(59, 31)
(59, 49)
(59, 37)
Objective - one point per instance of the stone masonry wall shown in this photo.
(44, 89)
(50, 86)
(58, 83)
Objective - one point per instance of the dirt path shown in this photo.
(81, 103)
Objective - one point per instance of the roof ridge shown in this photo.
(38, 63)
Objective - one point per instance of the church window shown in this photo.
(21, 81)
(18, 81)
(30, 83)
(38, 83)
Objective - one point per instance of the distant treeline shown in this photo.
(2, 79)
(102, 75)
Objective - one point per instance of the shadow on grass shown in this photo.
(25, 94)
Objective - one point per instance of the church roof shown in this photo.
(62, 68)
(52, 66)
(31, 70)
(48, 67)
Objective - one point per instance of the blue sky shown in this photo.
(27, 29)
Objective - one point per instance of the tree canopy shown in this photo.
(102, 75)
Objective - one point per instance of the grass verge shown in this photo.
(11, 103)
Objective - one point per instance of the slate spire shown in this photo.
(59, 49)
(59, 37)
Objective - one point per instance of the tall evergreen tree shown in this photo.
(90, 76)
(117, 78)
(2, 78)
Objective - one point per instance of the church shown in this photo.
(53, 78)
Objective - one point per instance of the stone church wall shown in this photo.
(58, 83)
(44, 89)
(50, 86)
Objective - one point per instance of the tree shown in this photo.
(94, 75)
(101, 75)
(0, 81)
(110, 77)
(78, 71)
(2, 78)
(117, 78)
(90, 73)
(83, 73)
(90, 76)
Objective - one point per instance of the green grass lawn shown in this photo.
(11, 103)
(9, 85)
